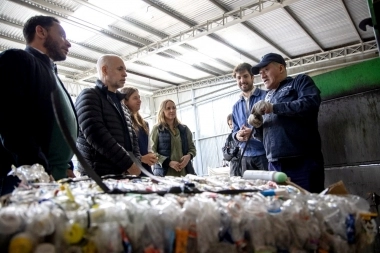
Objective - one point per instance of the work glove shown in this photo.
(255, 120)
(262, 107)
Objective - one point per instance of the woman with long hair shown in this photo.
(172, 142)
(131, 105)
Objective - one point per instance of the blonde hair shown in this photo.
(161, 115)
(137, 120)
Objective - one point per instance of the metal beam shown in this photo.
(174, 14)
(126, 20)
(131, 80)
(209, 67)
(51, 10)
(70, 12)
(210, 26)
(92, 48)
(145, 27)
(119, 31)
(70, 65)
(87, 73)
(13, 38)
(169, 72)
(295, 19)
(115, 30)
(364, 51)
(254, 30)
(351, 20)
(223, 62)
(129, 21)
(227, 44)
(150, 77)
(22, 41)
(20, 25)
(204, 67)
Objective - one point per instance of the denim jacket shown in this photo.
(239, 118)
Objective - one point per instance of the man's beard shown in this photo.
(53, 50)
(248, 88)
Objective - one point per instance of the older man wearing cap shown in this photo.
(288, 126)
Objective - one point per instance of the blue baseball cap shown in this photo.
(265, 60)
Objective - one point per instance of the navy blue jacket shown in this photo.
(292, 129)
(240, 117)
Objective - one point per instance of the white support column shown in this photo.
(196, 137)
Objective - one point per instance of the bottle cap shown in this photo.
(22, 243)
(74, 233)
(280, 177)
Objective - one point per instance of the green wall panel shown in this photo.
(350, 80)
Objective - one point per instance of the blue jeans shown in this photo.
(307, 172)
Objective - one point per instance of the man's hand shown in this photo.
(70, 173)
(184, 161)
(255, 120)
(262, 107)
(149, 159)
(243, 134)
(134, 170)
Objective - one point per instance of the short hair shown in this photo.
(161, 122)
(229, 117)
(104, 61)
(241, 67)
(29, 29)
(137, 120)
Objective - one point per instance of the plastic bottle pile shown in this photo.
(78, 217)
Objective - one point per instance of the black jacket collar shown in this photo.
(43, 57)
(103, 88)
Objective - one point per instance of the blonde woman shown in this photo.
(172, 142)
(131, 105)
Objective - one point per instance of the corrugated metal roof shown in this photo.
(138, 30)
(327, 21)
(359, 11)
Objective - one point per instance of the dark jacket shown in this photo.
(231, 149)
(292, 129)
(164, 148)
(232, 153)
(103, 132)
(26, 111)
(143, 139)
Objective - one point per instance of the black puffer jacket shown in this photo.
(103, 132)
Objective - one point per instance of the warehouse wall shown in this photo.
(204, 111)
(349, 121)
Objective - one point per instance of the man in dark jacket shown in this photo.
(105, 133)
(29, 133)
(289, 129)
(231, 151)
